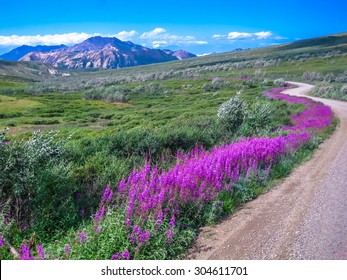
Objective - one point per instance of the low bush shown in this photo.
(232, 112)
(343, 89)
(329, 78)
(312, 76)
(279, 82)
(110, 94)
(37, 183)
(216, 84)
(152, 88)
(44, 122)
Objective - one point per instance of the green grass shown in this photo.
(143, 110)
(109, 140)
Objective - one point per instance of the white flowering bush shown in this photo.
(279, 82)
(216, 84)
(341, 78)
(325, 89)
(329, 78)
(111, 94)
(312, 76)
(150, 88)
(232, 112)
(36, 182)
(343, 89)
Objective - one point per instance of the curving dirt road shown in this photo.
(305, 217)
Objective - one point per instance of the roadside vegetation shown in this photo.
(128, 164)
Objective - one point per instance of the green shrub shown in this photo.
(232, 112)
(279, 82)
(312, 76)
(258, 118)
(37, 184)
(110, 94)
(343, 89)
(44, 122)
(152, 88)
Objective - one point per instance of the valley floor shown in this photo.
(305, 217)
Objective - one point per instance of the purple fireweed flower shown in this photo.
(115, 256)
(137, 230)
(99, 215)
(81, 212)
(25, 253)
(121, 188)
(98, 229)
(160, 218)
(83, 237)
(169, 236)
(41, 252)
(199, 176)
(144, 237)
(172, 221)
(2, 242)
(132, 238)
(128, 222)
(107, 195)
(67, 249)
(126, 255)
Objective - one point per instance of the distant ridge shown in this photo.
(106, 53)
(21, 51)
(181, 54)
(323, 41)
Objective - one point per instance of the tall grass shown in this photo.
(154, 213)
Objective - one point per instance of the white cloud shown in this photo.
(57, 39)
(152, 34)
(158, 44)
(239, 35)
(203, 54)
(156, 38)
(263, 34)
(159, 37)
(218, 36)
(280, 38)
(235, 35)
(126, 35)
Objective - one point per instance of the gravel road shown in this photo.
(304, 217)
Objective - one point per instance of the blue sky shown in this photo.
(196, 26)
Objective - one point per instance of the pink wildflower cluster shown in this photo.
(315, 117)
(125, 255)
(200, 176)
(25, 253)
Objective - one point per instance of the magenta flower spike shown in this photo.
(83, 237)
(126, 255)
(41, 252)
(199, 176)
(25, 253)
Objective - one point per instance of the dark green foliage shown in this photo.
(37, 183)
(122, 117)
(44, 121)
(110, 94)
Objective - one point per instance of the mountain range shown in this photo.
(21, 51)
(96, 52)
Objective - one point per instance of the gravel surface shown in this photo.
(304, 217)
